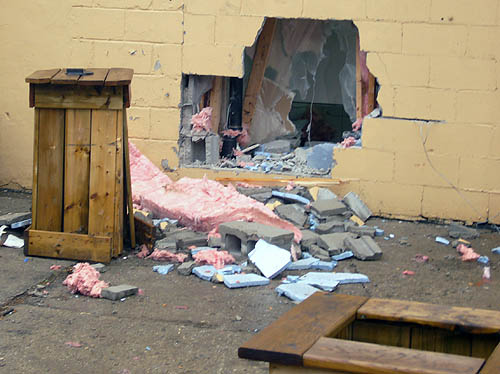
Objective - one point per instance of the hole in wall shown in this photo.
(305, 90)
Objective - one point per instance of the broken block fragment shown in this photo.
(292, 212)
(325, 208)
(303, 264)
(334, 243)
(359, 208)
(118, 292)
(364, 248)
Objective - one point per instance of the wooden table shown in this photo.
(80, 162)
(330, 333)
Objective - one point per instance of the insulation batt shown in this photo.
(200, 204)
(85, 280)
(164, 255)
(467, 253)
(213, 257)
(202, 121)
(144, 252)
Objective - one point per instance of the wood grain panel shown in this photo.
(381, 333)
(118, 217)
(42, 76)
(78, 97)
(492, 365)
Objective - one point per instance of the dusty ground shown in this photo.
(185, 325)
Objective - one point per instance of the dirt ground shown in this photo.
(186, 325)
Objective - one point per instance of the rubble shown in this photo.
(323, 281)
(85, 280)
(334, 243)
(468, 254)
(269, 259)
(460, 231)
(325, 208)
(362, 230)
(364, 248)
(319, 252)
(10, 219)
(303, 264)
(164, 255)
(441, 240)
(186, 268)
(213, 257)
(204, 272)
(319, 194)
(330, 227)
(118, 292)
(308, 238)
(292, 212)
(245, 280)
(325, 265)
(359, 208)
(294, 198)
(296, 291)
(343, 256)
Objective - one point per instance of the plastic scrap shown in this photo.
(163, 269)
(213, 257)
(245, 280)
(202, 121)
(271, 260)
(73, 344)
(229, 270)
(486, 273)
(296, 291)
(164, 255)
(483, 260)
(343, 256)
(496, 250)
(323, 281)
(85, 280)
(11, 241)
(408, 272)
(205, 272)
(441, 240)
(291, 197)
(325, 265)
(468, 254)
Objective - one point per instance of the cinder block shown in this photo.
(106, 23)
(165, 124)
(446, 203)
(272, 8)
(392, 134)
(118, 292)
(330, 227)
(362, 230)
(413, 168)
(364, 248)
(160, 27)
(220, 60)
(479, 12)
(380, 36)
(434, 40)
(463, 73)
(167, 60)
(339, 9)
(334, 243)
(242, 236)
(308, 238)
(425, 103)
(186, 268)
(479, 174)
(199, 29)
(237, 30)
(139, 123)
(483, 42)
(478, 107)
(365, 164)
(494, 149)
(398, 10)
(319, 252)
(292, 212)
(204, 150)
(227, 7)
(156, 91)
(324, 208)
(358, 207)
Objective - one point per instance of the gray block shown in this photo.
(249, 191)
(359, 208)
(319, 252)
(118, 292)
(10, 218)
(334, 243)
(364, 248)
(166, 243)
(241, 236)
(262, 196)
(308, 238)
(245, 280)
(330, 227)
(296, 291)
(325, 194)
(188, 238)
(293, 213)
(362, 230)
(460, 231)
(186, 268)
(214, 241)
(324, 208)
(101, 268)
(277, 146)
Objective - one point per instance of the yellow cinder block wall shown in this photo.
(436, 152)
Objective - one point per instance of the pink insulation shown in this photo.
(200, 204)
(468, 254)
(144, 252)
(348, 142)
(213, 257)
(202, 121)
(163, 255)
(85, 280)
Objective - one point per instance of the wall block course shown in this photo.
(233, 30)
(224, 7)
(479, 174)
(394, 134)
(363, 164)
(272, 8)
(338, 9)
(156, 91)
(158, 150)
(462, 73)
(165, 124)
(216, 60)
(106, 24)
(167, 4)
(136, 56)
(123, 4)
(157, 27)
(167, 60)
(424, 103)
(473, 12)
(398, 10)
(478, 107)
(139, 122)
(380, 36)
(199, 29)
(397, 69)
(494, 209)
(434, 40)
(484, 42)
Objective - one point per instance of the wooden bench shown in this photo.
(343, 334)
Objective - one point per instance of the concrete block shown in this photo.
(325, 265)
(359, 208)
(364, 248)
(186, 268)
(249, 191)
(308, 238)
(205, 272)
(343, 256)
(245, 280)
(460, 231)
(324, 281)
(262, 196)
(276, 146)
(163, 269)
(334, 243)
(362, 230)
(325, 208)
(101, 268)
(319, 252)
(187, 238)
(214, 242)
(118, 292)
(294, 213)
(303, 264)
(166, 243)
(325, 194)
(296, 291)
(330, 227)
(241, 236)
(269, 259)
(321, 156)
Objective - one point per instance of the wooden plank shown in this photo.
(81, 97)
(345, 333)
(216, 103)
(492, 365)
(288, 338)
(34, 187)
(371, 93)
(260, 60)
(482, 346)
(357, 357)
(440, 340)
(128, 182)
(118, 217)
(379, 332)
(96, 79)
(119, 77)
(32, 95)
(359, 82)
(69, 246)
(50, 170)
(62, 78)
(77, 171)
(476, 321)
(42, 76)
(287, 369)
(102, 173)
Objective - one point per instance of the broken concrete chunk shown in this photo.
(319, 252)
(362, 230)
(303, 264)
(325, 208)
(296, 291)
(269, 259)
(324, 281)
(262, 196)
(101, 268)
(118, 292)
(249, 191)
(334, 243)
(205, 272)
(364, 248)
(357, 206)
(166, 243)
(460, 231)
(330, 227)
(292, 212)
(186, 268)
(11, 218)
(245, 280)
(308, 238)
(190, 238)
(214, 242)
(240, 236)
(276, 146)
